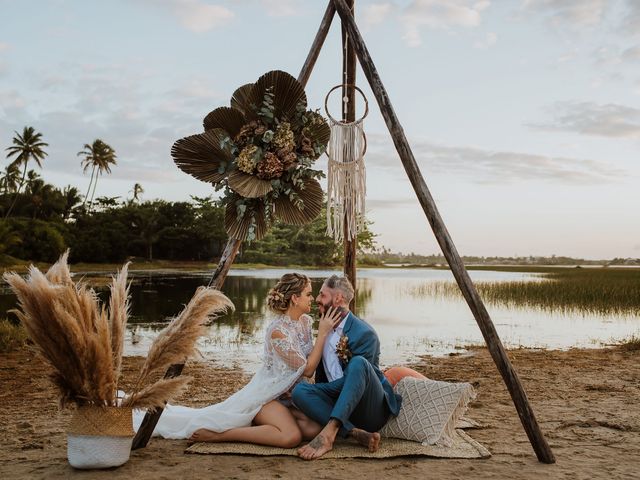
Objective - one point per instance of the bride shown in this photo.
(256, 413)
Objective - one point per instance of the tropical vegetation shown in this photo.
(40, 220)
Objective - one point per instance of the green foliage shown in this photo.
(9, 238)
(303, 245)
(597, 290)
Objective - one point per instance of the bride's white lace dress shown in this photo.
(287, 345)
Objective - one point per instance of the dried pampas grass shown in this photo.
(83, 341)
(70, 332)
(156, 395)
(177, 341)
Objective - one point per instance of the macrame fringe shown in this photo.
(346, 190)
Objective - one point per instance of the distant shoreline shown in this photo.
(171, 266)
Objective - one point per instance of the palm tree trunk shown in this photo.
(89, 189)
(15, 197)
(95, 184)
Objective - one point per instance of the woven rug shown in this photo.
(463, 447)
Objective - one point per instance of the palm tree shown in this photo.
(99, 156)
(137, 190)
(10, 178)
(71, 199)
(28, 146)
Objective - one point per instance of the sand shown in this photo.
(586, 401)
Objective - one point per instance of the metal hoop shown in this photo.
(342, 85)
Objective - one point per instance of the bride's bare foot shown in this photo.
(204, 435)
(367, 439)
(315, 448)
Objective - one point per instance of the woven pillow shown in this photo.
(430, 410)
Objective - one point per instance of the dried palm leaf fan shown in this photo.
(346, 189)
(260, 150)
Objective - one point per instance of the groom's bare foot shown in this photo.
(204, 435)
(367, 439)
(315, 448)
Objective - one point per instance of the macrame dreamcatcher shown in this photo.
(346, 182)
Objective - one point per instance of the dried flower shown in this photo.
(246, 160)
(284, 137)
(289, 160)
(342, 350)
(306, 147)
(270, 167)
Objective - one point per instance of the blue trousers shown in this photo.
(357, 399)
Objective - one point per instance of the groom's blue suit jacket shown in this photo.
(363, 341)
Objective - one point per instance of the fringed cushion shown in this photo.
(430, 410)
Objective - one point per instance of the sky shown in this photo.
(523, 115)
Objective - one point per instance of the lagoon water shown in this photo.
(410, 321)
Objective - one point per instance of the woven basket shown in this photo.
(99, 437)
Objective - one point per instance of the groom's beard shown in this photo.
(324, 307)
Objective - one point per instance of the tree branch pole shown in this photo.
(150, 420)
(316, 46)
(233, 245)
(498, 353)
(349, 115)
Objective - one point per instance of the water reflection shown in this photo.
(411, 320)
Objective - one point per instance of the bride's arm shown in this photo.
(283, 347)
(326, 324)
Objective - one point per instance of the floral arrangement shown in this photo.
(82, 341)
(260, 151)
(342, 350)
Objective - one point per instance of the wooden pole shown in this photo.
(316, 46)
(233, 245)
(498, 353)
(349, 115)
(150, 420)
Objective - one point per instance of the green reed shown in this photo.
(589, 290)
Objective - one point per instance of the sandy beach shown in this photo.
(586, 402)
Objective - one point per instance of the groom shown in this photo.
(351, 396)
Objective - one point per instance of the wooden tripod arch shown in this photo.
(356, 47)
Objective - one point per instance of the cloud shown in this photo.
(11, 102)
(4, 46)
(589, 118)
(282, 8)
(489, 166)
(375, 14)
(572, 13)
(439, 14)
(631, 54)
(488, 41)
(196, 15)
(390, 203)
(631, 23)
(611, 56)
(116, 104)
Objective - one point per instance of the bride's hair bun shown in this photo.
(279, 297)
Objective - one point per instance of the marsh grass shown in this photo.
(587, 290)
(631, 344)
(12, 336)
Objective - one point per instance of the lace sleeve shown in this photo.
(286, 350)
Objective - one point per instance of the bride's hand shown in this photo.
(330, 320)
